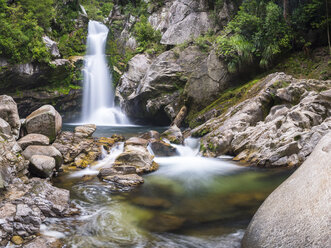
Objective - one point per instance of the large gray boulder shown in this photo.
(45, 120)
(9, 113)
(42, 166)
(50, 151)
(298, 212)
(33, 139)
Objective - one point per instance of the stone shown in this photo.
(9, 113)
(45, 120)
(52, 46)
(5, 128)
(136, 141)
(129, 180)
(298, 212)
(42, 166)
(33, 139)
(50, 151)
(85, 131)
(174, 135)
(17, 240)
(110, 171)
(150, 135)
(162, 149)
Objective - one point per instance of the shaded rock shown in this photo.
(129, 180)
(85, 131)
(9, 113)
(50, 151)
(45, 120)
(298, 212)
(161, 148)
(33, 139)
(42, 166)
(174, 135)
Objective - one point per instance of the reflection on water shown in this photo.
(189, 202)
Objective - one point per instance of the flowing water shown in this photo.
(189, 202)
(98, 96)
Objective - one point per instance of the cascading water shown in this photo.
(98, 96)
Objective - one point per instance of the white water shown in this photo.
(98, 95)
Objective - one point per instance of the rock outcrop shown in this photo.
(280, 126)
(45, 120)
(181, 21)
(298, 212)
(156, 89)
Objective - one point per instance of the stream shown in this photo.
(190, 201)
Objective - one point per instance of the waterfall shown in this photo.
(98, 94)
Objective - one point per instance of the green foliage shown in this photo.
(20, 35)
(147, 38)
(258, 31)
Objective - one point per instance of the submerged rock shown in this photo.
(298, 212)
(45, 120)
(33, 139)
(129, 180)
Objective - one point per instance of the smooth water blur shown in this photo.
(98, 96)
(189, 202)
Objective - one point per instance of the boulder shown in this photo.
(161, 148)
(50, 151)
(298, 212)
(5, 128)
(45, 120)
(9, 113)
(110, 171)
(136, 156)
(150, 135)
(136, 141)
(33, 139)
(42, 166)
(85, 131)
(174, 135)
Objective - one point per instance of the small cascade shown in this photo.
(98, 95)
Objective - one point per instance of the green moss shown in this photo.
(226, 100)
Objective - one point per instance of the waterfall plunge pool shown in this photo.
(189, 202)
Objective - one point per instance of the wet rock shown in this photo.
(85, 131)
(129, 180)
(123, 170)
(50, 151)
(45, 120)
(151, 202)
(42, 166)
(33, 139)
(174, 135)
(9, 113)
(150, 135)
(85, 159)
(136, 141)
(136, 156)
(297, 213)
(162, 149)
